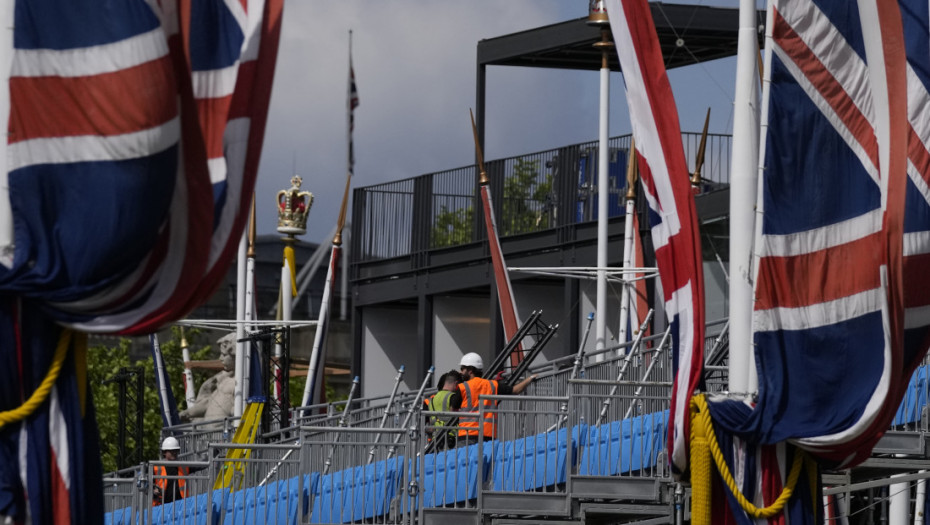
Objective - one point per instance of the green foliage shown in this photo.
(525, 197)
(296, 385)
(525, 208)
(452, 227)
(104, 362)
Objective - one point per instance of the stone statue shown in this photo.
(216, 395)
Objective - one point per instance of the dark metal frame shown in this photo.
(130, 380)
(277, 415)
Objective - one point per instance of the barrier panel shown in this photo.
(362, 474)
(627, 425)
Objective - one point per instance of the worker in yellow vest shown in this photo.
(471, 389)
(447, 399)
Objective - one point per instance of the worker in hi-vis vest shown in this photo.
(169, 483)
(447, 399)
(471, 389)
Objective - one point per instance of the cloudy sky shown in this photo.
(415, 71)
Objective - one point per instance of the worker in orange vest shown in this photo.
(166, 487)
(471, 389)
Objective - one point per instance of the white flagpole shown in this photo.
(189, 393)
(600, 329)
(241, 271)
(625, 299)
(310, 385)
(744, 165)
(6, 60)
(249, 307)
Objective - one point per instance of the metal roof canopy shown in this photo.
(688, 34)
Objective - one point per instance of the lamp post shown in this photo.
(293, 209)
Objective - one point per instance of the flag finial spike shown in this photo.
(251, 252)
(482, 173)
(631, 171)
(699, 160)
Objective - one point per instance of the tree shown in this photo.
(104, 362)
(526, 199)
(527, 206)
(452, 227)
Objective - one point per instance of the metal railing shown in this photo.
(531, 193)
(627, 425)
(195, 438)
(346, 487)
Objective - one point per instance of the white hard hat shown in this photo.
(472, 359)
(170, 443)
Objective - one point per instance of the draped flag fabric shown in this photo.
(50, 468)
(672, 215)
(133, 146)
(829, 313)
(168, 407)
(351, 104)
(915, 16)
(116, 225)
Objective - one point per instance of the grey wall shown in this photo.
(588, 301)
(389, 340)
(548, 297)
(460, 325)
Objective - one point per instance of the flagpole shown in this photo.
(6, 60)
(744, 164)
(249, 306)
(189, 393)
(508, 307)
(316, 353)
(241, 272)
(597, 15)
(628, 242)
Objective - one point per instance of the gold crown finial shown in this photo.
(293, 208)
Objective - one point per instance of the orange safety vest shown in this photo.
(161, 481)
(471, 391)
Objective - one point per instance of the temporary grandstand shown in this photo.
(585, 443)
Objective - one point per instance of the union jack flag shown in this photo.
(829, 301)
(123, 228)
(672, 215)
(133, 146)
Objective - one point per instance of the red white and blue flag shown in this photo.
(133, 146)
(672, 214)
(829, 313)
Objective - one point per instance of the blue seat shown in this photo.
(915, 397)
(535, 461)
(451, 476)
(623, 446)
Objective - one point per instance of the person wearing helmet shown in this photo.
(446, 399)
(471, 389)
(168, 481)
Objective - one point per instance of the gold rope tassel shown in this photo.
(38, 397)
(700, 468)
(700, 419)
